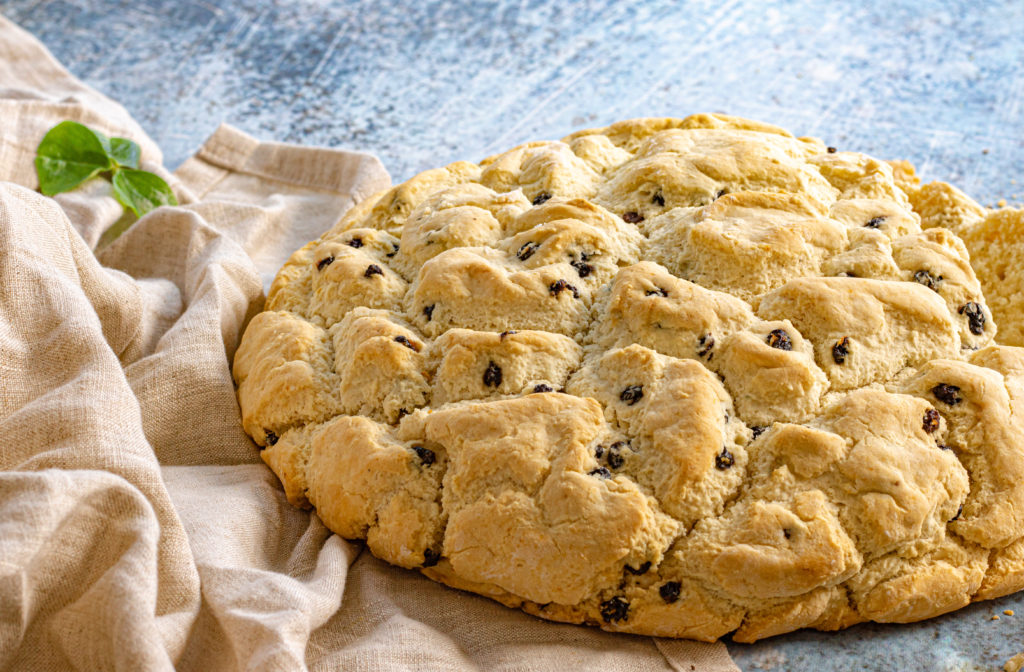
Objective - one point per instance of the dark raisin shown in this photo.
(430, 557)
(582, 268)
(657, 292)
(492, 376)
(830, 150)
(428, 311)
(943, 446)
(658, 200)
(601, 472)
(541, 198)
(561, 285)
(507, 332)
(426, 455)
(402, 412)
(724, 459)
(615, 458)
(670, 591)
(372, 270)
(642, 569)
(632, 394)
(324, 263)
(706, 343)
(632, 217)
(947, 394)
(721, 192)
(271, 437)
(874, 222)
(931, 420)
(542, 388)
(758, 430)
(415, 347)
(975, 317)
(599, 451)
(356, 243)
(615, 609)
(778, 338)
(841, 350)
(927, 279)
(958, 512)
(394, 250)
(526, 250)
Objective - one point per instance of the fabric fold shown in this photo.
(138, 527)
(90, 534)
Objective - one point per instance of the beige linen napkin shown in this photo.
(138, 528)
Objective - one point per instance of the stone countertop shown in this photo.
(422, 84)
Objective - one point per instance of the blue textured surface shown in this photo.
(939, 83)
(432, 82)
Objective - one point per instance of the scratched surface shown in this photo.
(939, 83)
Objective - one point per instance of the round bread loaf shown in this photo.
(677, 377)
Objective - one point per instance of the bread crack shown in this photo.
(673, 377)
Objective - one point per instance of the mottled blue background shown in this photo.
(425, 83)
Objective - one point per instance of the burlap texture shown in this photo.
(138, 528)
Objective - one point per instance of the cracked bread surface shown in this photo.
(676, 377)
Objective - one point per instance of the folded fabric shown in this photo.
(138, 528)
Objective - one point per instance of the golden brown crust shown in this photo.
(943, 205)
(995, 247)
(678, 377)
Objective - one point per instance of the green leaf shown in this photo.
(124, 152)
(140, 191)
(70, 154)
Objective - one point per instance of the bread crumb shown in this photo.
(1008, 612)
(1001, 202)
(995, 617)
(1014, 664)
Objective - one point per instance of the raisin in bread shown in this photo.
(677, 377)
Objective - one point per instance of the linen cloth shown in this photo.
(138, 528)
